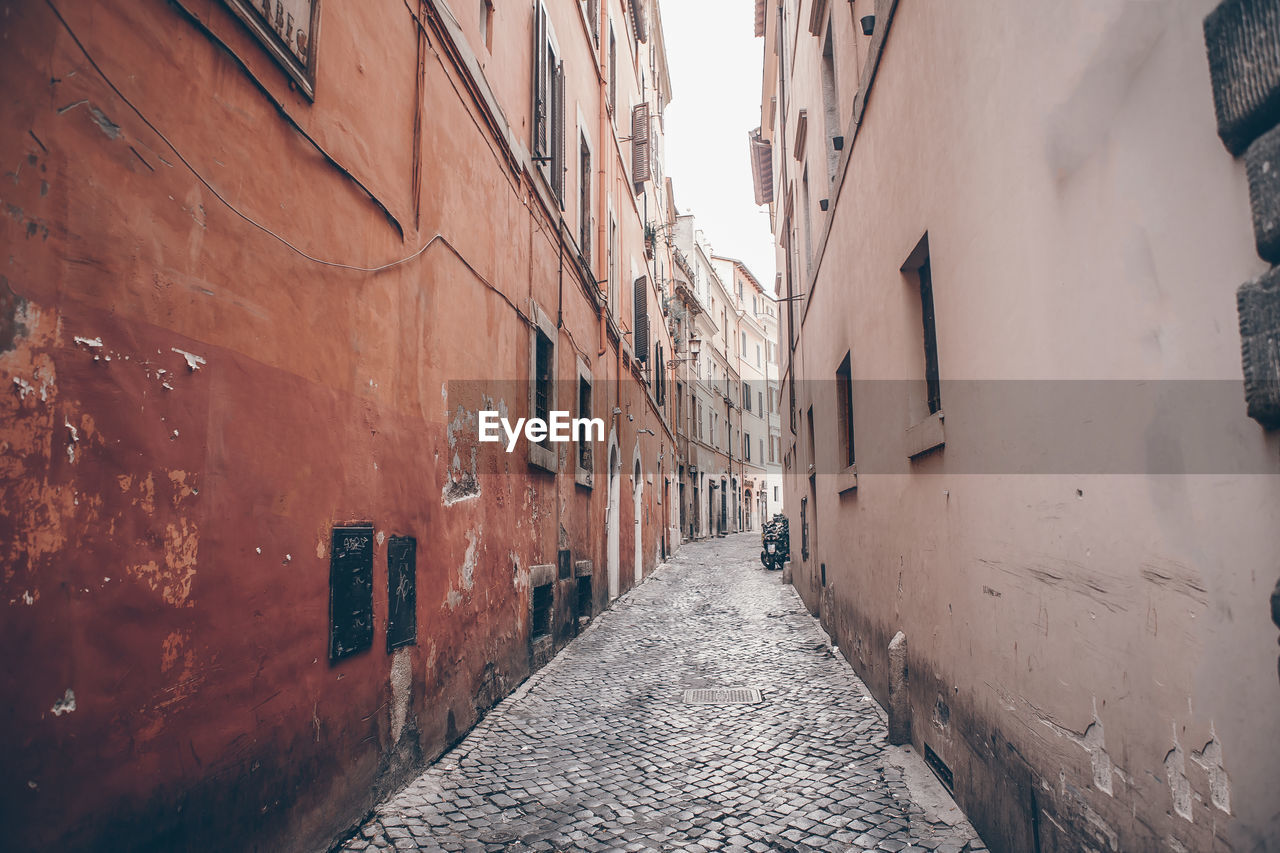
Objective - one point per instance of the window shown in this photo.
(813, 446)
(791, 311)
(540, 625)
(746, 446)
(808, 223)
(932, 383)
(659, 375)
(758, 362)
(844, 410)
(593, 19)
(486, 24)
(804, 528)
(613, 70)
(746, 396)
(542, 365)
(744, 344)
(548, 107)
(613, 266)
(288, 34)
(585, 459)
(830, 100)
(791, 388)
(640, 306)
(584, 199)
(918, 273)
(542, 376)
(760, 402)
(641, 156)
(775, 494)
(760, 448)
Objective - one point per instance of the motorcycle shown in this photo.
(776, 539)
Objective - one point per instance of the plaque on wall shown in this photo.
(288, 29)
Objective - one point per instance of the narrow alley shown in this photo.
(601, 750)
(397, 397)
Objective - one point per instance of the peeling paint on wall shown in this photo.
(193, 361)
(1175, 768)
(461, 483)
(468, 569)
(66, 704)
(1210, 760)
(173, 579)
(401, 685)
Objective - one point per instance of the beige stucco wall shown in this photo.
(1084, 222)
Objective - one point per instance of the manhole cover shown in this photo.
(730, 696)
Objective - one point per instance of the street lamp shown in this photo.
(695, 347)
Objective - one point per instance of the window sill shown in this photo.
(847, 480)
(542, 575)
(541, 457)
(926, 436)
(584, 478)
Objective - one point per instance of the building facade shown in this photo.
(262, 273)
(755, 333)
(723, 387)
(1027, 498)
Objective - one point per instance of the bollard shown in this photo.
(899, 703)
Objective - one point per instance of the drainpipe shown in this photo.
(602, 224)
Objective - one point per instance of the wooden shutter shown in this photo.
(640, 143)
(613, 70)
(638, 21)
(642, 319)
(539, 82)
(557, 133)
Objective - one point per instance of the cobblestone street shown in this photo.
(598, 751)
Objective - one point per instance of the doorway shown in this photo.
(639, 563)
(613, 523)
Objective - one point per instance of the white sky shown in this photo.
(716, 63)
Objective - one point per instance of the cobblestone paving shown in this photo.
(598, 751)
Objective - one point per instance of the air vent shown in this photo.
(939, 768)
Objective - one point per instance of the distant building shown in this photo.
(1027, 497)
(754, 340)
(722, 388)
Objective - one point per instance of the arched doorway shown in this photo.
(639, 507)
(613, 523)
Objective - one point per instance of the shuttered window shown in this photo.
(544, 351)
(638, 21)
(585, 221)
(548, 106)
(641, 306)
(640, 171)
(613, 70)
(557, 133)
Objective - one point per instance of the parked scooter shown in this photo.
(776, 538)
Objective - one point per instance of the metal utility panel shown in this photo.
(350, 591)
(402, 592)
